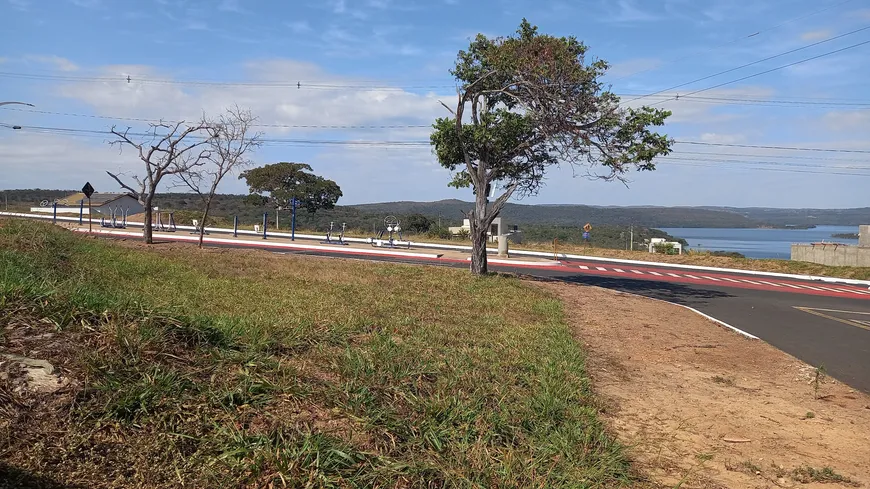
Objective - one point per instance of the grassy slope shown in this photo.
(228, 369)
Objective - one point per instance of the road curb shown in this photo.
(265, 244)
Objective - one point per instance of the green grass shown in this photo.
(244, 369)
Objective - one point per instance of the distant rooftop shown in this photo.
(97, 199)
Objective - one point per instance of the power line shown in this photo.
(789, 170)
(789, 148)
(737, 39)
(771, 70)
(66, 130)
(754, 62)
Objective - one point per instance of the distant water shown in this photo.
(759, 243)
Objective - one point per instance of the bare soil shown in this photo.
(701, 404)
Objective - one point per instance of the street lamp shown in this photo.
(17, 103)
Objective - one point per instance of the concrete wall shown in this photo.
(835, 255)
(864, 235)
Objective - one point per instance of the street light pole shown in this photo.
(16, 103)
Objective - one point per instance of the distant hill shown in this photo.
(802, 217)
(450, 212)
(573, 215)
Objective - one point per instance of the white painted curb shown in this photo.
(496, 261)
(264, 244)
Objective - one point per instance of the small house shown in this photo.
(104, 203)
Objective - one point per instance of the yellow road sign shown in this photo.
(587, 227)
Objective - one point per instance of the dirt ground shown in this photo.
(701, 404)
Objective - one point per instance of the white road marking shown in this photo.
(619, 270)
(602, 269)
(584, 267)
(829, 289)
(792, 286)
(674, 275)
(750, 282)
(710, 278)
(731, 280)
(637, 272)
(657, 274)
(770, 283)
(694, 277)
(809, 287)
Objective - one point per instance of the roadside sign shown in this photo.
(88, 190)
(587, 227)
(586, 235)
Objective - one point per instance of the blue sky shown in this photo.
(385, 63)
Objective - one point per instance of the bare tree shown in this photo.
(230, 145)
(166, 149)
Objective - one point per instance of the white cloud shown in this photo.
(86, 3)
(58, 62)
(816, 35)
(299, 26)
(19, 4)
(627, 11)
(632, 66)
(230, 6)
(848, 121)
(711, 137)
(33, 160)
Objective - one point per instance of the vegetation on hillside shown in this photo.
(218, 368)
(450, 212)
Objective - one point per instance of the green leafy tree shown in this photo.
(417, 224)
(527, 103)
(276, 185)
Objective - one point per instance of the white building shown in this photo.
(655, 242)
(495, 230)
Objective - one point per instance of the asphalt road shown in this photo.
(821, 327)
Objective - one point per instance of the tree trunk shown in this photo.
(479, 227)
(202, 223)
(147, 231)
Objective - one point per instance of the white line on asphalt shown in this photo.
(792, 286)
(749, 282)
(637, 272)
(710, 278)
(657, 274)
(619, 270)
(809, 287)
(770, 283)
(731, 280)
(674, 275)
(692, 276)
(602, 269)
(584, 267)
(829, 289)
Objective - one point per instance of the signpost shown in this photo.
(586, 229)
(88, 190)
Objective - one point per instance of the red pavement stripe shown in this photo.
(675, 273)
(742, 283)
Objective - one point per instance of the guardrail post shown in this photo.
(235, 226)
(265, 222)
(81, 211)
(54, 214)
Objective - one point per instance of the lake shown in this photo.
(759, 243)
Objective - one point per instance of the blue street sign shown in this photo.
(585, 235)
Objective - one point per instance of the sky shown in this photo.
(309, 69)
